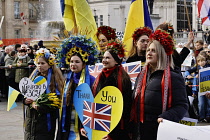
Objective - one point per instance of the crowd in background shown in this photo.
(160, 61)
(14, 61)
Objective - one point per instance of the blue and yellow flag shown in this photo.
(1, 42)
(78, 17)
(12, 95)
(138, 16)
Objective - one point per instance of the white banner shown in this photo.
(174, 131)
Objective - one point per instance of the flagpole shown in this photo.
(2, 18)
(188, 18)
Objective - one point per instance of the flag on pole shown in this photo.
(11, 98)
(204, 11)
(22, 17)
(78, 17)
(138, 16)
(1, 42)
(206, 21)
(2, 19)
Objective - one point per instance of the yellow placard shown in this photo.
(109, 95)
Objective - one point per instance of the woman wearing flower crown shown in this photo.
(40, 122)
(77, 53)
(159, 92)
(113, 74)
(104, 35)
(140, 41)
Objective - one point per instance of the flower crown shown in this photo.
(117, 47)
(165, 40)
(107, 31)
(78, 44)
(46, 53)
(141, 31)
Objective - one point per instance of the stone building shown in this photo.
(13, 26)
(106, 12)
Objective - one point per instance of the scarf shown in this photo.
(140, 92)
(107, 73)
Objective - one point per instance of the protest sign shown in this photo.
(33, 89)
(99, 115)
(175, 131)
(204, 81)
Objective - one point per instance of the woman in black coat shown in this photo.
(114, 75)
(40, 122)
(159, 92)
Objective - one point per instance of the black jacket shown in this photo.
(118, 133)
(38, 121)
(153, 98)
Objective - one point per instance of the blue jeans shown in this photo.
(204, 107)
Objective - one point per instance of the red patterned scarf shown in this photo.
(107, 73)
(140, 92)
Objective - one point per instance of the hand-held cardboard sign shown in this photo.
(101, 115)
(33, 89)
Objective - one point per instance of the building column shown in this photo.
(194, 16)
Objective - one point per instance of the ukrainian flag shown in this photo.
(1, 42)
(12, 95)
(78, 17)
(138, 16)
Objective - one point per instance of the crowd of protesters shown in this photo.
(160, 91)
(14, 61)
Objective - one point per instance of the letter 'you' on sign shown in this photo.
(33, 89)
(99, 115)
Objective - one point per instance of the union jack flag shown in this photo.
(133, 69)
(97, 116)
(95, 69)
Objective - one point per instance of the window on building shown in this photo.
(101, 20)
(17, 33)
(96, 19)
(31, 11)
(182, 21)
(17, 10)
(31, 33)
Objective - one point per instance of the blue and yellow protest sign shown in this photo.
(101, 115)
(33, 89)
(204, 81)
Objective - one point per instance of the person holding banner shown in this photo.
(159, 92)
(40, 122)
(77, 53)
(113, 74)
(140, 41)
(203, 101)
(105, 34)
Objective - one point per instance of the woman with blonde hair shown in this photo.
(41, 118)
(159, 92)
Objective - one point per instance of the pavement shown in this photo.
(11, 122)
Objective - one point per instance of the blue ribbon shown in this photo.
(64, 100)
(87, 75)
(48, 91)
